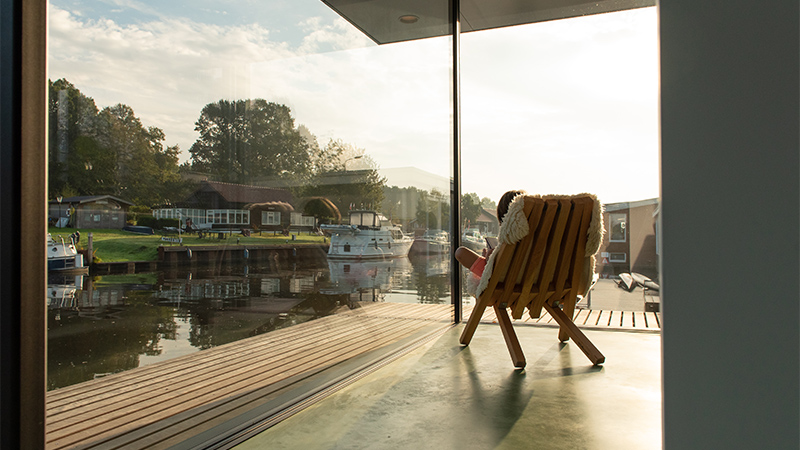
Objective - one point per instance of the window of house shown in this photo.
(617, 257)
(271, 217)
(617, 227)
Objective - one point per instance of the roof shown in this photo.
(91, 199)
(240, 193)
(487, 215)
(386, 21)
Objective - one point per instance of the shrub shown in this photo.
(163, 223)
(147, 221)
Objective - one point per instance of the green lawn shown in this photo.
(118, 245)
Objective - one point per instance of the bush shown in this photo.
(147, 221)
(163, 223)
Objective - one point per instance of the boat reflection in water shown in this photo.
(99, 325)
(374, 277)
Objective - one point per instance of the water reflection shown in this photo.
(99, 325)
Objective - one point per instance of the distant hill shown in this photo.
(418, 178)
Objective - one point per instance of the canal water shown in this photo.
(100, 325)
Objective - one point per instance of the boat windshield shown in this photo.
(363, 218)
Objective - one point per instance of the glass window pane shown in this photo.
(259, 120)
(569, 106)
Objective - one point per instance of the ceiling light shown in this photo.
(408, 19)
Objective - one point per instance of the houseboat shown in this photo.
(63, 256)
(368, 235)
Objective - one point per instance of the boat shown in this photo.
(368, 235)
(62, 256)
(626, 282)
(348, 277)
(432, 242)
(473, 239)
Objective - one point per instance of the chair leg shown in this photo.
(510, 336)
(576, 334)
(472, 322)
(569, 311)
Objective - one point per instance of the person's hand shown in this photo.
(487, 251)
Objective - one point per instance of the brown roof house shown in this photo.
(217, 195)
(487, 222)
(231, 206)
(89, 211)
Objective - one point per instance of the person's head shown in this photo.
(505, 202)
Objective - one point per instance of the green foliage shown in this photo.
(147, 221)
(110, 151)
(163, 223)
(243, 140)
(470, 208)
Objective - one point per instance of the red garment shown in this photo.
(478, 266)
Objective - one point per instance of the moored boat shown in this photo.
(368, 235)
(432, 242)
(62, 256)
(473, 239)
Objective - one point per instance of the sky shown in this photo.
(565, 106)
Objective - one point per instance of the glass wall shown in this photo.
(269, 124)
(566, 107)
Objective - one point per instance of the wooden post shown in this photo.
(89, 250)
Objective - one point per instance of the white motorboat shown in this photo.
(369, 235)
(62, 256)
(364, 276)
(432, 242)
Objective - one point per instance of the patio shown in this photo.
(445, 396)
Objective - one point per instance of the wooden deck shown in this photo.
(591, 319)
(165, 403)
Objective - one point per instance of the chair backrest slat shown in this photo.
(536, 259)
(580, 278)
(521, 252)
(568, 246)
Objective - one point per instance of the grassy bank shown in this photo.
(118, 245)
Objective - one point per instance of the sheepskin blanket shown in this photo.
(515, 227)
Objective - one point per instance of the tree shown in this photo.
(72, 115)
(146, 171)
(488, 203)
(243, 140)
(470, 208)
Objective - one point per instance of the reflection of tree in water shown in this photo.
(221, 321)
(434, 289)
(83, 342)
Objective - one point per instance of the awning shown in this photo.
(387, 21)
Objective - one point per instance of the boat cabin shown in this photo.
(368, 219)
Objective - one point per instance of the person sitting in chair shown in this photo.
(473, 261)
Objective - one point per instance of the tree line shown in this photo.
(96, 151)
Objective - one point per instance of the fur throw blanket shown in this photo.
(515, 227)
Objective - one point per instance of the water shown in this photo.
(99, 325)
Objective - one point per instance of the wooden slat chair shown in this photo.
(545, 260)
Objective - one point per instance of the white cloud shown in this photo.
(573, 96)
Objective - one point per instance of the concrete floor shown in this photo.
(444, 396)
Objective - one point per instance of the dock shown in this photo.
(166, 403)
